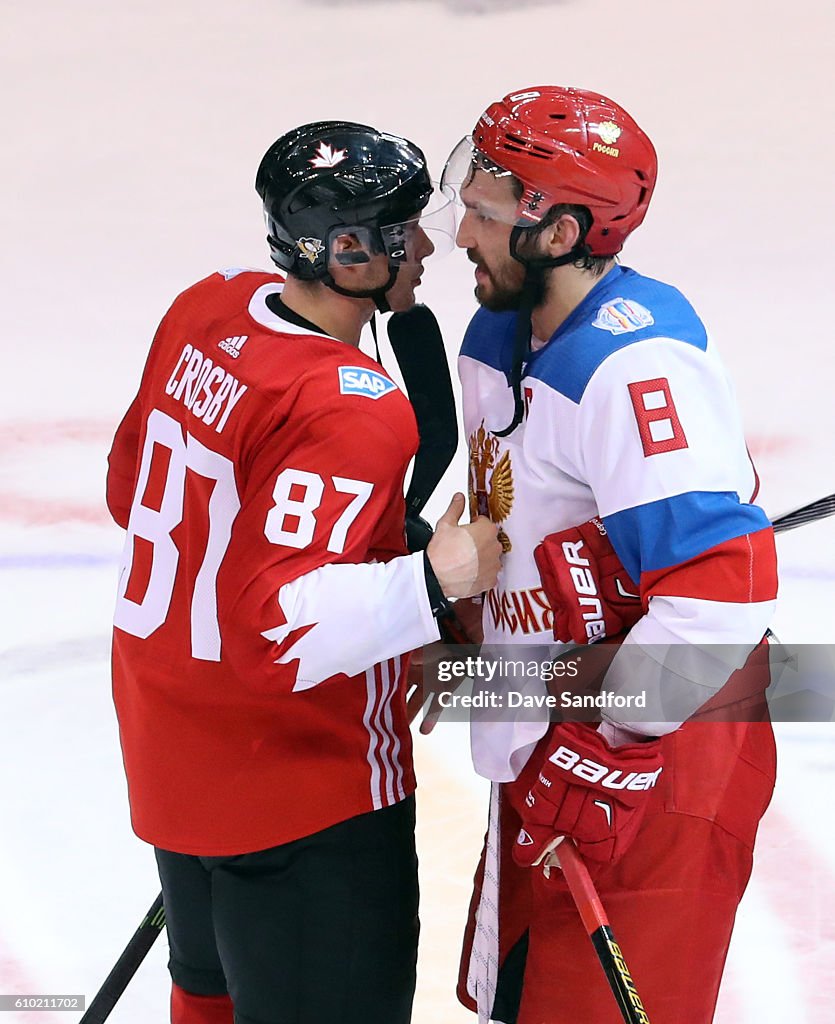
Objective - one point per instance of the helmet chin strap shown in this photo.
(535, 269)
(378, 295)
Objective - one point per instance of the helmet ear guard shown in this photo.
(524, 236)
(367, 245)
(351, 259)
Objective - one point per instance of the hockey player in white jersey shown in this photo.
(601, 427)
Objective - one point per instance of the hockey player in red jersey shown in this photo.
(266, 599)
(606, 444)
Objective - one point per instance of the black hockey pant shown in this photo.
(321, 929)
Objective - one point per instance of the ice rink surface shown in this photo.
(131, 136)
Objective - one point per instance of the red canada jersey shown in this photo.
(265, 594)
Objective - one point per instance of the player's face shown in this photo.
(489, 214)
(401, 295)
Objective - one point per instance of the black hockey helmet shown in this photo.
(328, 177)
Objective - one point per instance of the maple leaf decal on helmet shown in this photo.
(328, 157)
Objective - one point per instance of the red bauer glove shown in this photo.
(594, 793)
(586, 584)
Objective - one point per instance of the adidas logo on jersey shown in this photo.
(233, 346)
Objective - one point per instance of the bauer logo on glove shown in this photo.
(591, 771)
(590, 592)
(589, 790)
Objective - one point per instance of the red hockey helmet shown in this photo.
(572, 146)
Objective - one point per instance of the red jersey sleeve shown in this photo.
(316, 581)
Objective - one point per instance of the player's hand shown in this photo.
(594, 793)
(586, 584)
(465, 559)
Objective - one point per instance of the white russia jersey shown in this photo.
(629, 416)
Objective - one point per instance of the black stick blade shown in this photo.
(418, 347)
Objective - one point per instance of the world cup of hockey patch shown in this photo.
(357, 380)
(622, 316)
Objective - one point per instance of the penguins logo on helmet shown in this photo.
(310, 248)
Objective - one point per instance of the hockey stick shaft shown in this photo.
(819, 509)
(127, 965)
(596, 923)
(418, 347)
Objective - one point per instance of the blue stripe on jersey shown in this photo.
(489, 339)
(674, 530)
(577, 348)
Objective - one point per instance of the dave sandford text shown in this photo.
(488, 671)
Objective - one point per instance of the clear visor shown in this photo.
(464, 161)
(431, 232)
(477, 183)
